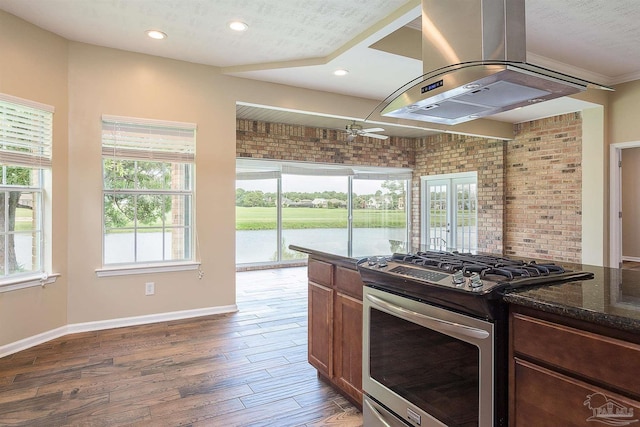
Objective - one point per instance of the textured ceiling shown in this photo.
(302, 43)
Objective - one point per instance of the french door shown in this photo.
(450, 212)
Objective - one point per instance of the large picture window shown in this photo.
(148, 196)
(345, 210)
(26, 130)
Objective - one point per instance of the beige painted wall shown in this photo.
(595, 246)
(107, 81)
(624, 125)
(33, 66)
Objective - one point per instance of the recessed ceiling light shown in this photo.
(341, 72)
(238, 26)
(155, 34)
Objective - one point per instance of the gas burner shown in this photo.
(485, 265)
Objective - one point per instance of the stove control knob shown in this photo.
(474, 281)
(377, 261)
(458, 279)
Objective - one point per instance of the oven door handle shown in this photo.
(438, 324)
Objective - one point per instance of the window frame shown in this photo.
(168, 159)
(248, 169)
(27, 142)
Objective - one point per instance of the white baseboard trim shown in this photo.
(630, 258)
(75, 328)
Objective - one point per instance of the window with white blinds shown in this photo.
(26, 130)
(144, 139)
(148, 191)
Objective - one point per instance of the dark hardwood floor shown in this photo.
(243, 369)
(630, 265)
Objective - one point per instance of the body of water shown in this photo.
(261, 245)
(252, 246)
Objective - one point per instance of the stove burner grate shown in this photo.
(499, 268)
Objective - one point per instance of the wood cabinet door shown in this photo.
(320, 337)
(347, 345)
(548, 398)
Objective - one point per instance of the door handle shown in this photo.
(434, 323)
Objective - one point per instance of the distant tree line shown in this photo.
(392, 198)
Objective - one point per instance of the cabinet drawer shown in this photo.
(547, 398)
(320, 272)
(349, 282)
(599, 358)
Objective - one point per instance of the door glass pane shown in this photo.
(379, 216)
(256, 221)
(466, 214)
(314, 213)
(438, 196)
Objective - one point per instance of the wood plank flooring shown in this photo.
(630, 265)
(242, 369)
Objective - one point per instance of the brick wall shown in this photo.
(529, 189)
(449, 153)
(543, 190)
(306, 144)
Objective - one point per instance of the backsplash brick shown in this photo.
(529, 188)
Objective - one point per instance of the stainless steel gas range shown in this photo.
(435, 333)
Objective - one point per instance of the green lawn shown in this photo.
(296, 218)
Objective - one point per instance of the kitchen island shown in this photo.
(573, 348)
(335, 321)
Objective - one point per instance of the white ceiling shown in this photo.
(301, 43)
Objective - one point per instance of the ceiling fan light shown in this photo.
(340, 72)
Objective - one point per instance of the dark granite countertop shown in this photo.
(341, 260)
(611, 298)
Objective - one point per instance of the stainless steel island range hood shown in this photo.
(474, 64)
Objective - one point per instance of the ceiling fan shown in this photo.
(354, 130)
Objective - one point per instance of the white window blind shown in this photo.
(144, 139)
(316, 170)
(26, 131)
(245, 176)
(383, 176)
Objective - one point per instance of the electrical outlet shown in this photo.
(149, 288)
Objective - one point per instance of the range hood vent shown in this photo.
(474, 64)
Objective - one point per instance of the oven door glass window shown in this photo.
(434, 371)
